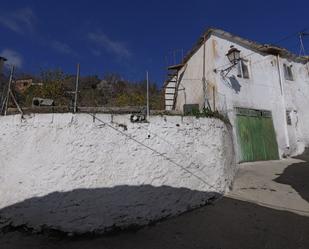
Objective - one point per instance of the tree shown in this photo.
(112, 90)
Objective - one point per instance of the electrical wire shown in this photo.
(276, 42)
(173, 146)
(156, 152)
(232, 195)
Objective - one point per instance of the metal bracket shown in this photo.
(226, 71)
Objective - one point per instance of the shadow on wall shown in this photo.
(235, 85)
(101, 210)
(297, 176)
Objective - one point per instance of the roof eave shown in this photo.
(265, 49)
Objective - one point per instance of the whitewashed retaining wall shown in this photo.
(76, 174)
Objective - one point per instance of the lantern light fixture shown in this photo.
(234, 56)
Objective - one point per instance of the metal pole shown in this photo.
(3, 105)
(302, 48)
(76, 88)
(204, 82)
(147, 77)
(9, 89)
(286, 133)
(16, 103)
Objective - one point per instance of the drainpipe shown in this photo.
(287, 141)
(204, 82)
(204, 77)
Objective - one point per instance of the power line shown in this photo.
(170, 144)
(276, 42)
(233, 195)
(155, 151)
(291, 35)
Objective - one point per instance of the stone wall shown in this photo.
(79, 173)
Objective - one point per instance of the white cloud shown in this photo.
(101, 40)
(13, 57)
(19, 21)
(62, 48)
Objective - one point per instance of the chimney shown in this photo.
(2, 60)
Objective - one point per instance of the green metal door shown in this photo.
(256, 135)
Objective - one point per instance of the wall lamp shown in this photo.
(234, 56)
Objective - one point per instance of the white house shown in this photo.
(264, 93)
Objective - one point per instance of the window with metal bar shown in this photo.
(288, 74)
(243, 70)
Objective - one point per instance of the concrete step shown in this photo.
(168, 108)
(170, 91)
(171, 84)
(169, 102)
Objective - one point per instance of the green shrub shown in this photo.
(208, 113)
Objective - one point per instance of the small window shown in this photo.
(288, 118)
(288, 74)
(243, 70)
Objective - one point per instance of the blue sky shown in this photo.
(129, 37)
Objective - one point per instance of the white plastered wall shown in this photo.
(78, 174)
(261, 91)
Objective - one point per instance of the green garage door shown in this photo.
(256, 135)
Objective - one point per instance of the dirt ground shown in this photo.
(268, 208)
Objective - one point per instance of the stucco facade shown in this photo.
(201, 81)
